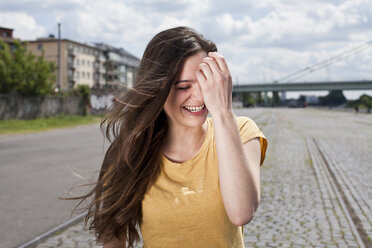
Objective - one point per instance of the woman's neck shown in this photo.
(182, 143)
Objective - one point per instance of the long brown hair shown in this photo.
(136, 126)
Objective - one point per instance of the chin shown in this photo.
(196, 121)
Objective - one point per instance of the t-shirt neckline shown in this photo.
(197, 156)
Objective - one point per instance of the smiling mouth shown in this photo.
(194, 109)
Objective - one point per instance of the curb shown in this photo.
(44, 236)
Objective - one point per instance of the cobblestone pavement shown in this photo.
(315, 182)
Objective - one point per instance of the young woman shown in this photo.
(183, 178)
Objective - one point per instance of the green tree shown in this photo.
(6, 61)
(366, 101)
(248, 100)
(83, 91)
(334, 98)
(24, 73)
(302, 99)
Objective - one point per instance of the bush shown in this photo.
(248, 100)
(364, 101)
(83, 91)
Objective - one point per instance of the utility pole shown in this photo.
(59, 59)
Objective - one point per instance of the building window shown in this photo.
(39, 46)
(77, 62)
(88, 75)
(5, 34)
(82, 62)
(83, 74)
(88, 63)
(77, 75)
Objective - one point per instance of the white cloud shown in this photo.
(262, 41)
(229, 26)
(24, 26)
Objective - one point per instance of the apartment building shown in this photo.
(80, 63)
(6, 34)
(121, 66)
(94, 65)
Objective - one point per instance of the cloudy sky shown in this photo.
(262, 40)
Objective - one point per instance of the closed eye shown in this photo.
(183, 88)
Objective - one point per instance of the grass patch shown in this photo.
(44, 124)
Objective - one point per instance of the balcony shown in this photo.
(113, 72)
(100, 81)
(101, 69)
(72, 65)
(71, 78)
(72, 52)
(100, 58)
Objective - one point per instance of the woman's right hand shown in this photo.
(216, 84)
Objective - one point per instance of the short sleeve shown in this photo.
(248, 130)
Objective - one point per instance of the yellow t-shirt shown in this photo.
(184, 207)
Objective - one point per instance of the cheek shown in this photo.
(170, 104)
(175, 100)
(166, 106)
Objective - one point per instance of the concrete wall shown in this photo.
(17, 107)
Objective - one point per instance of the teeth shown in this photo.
(195, 109)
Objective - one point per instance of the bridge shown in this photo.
(304, 86)
(301, 86)
(286, 83)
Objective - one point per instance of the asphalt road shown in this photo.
(35, 170)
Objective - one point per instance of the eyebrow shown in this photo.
(184, 81)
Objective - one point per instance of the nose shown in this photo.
(196, 93)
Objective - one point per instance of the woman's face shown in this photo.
(185, 105)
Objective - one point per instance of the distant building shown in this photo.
(312, 99)
(121, 66)
(80, 63)
(6, 34)
(83, 64)
(283, 97)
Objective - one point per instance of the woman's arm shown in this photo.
(238, 165)
(239, 170)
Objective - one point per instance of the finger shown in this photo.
(220, 60)
(213, 65)
(201, 79)
(206, 70)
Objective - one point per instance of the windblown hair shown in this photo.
(136, 125)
